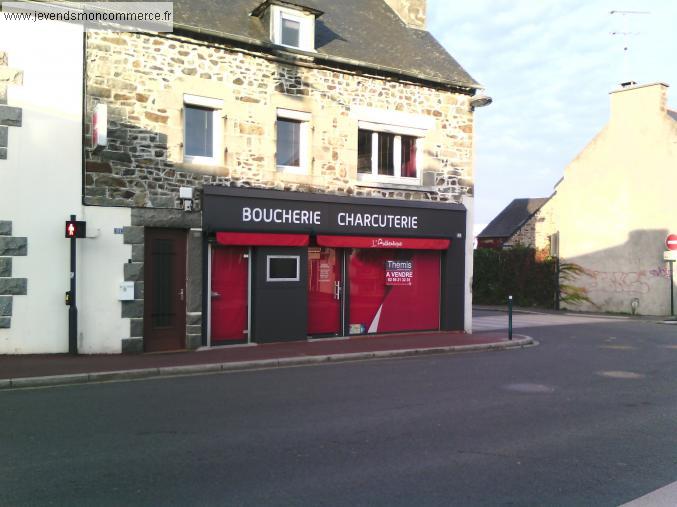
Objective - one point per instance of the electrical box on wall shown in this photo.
(126, 292)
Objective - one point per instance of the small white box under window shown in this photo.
(283, 268)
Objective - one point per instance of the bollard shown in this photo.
(509, 317)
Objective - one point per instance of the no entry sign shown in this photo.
(671, 242)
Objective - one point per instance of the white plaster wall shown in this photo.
(40, 181)
(99, 277)
(469, 204)
(615, 205)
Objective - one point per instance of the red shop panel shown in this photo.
(258, 239)
(229, 293)
(408, 299)
(324, 291)
(382, 242)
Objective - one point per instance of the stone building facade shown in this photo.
(142, 79)
(346, 69)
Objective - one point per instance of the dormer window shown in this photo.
(290, 31)
(291, 25)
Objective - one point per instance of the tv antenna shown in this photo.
(626, 33)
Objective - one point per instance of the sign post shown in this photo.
(74, 229)
(670, 256)
(509, 317)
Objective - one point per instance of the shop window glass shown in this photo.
(405, 302)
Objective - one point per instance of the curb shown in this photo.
(193, 369)
(564, 313)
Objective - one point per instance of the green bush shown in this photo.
(498, 274)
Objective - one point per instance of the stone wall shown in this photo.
(10, 247)
(142, 79)
(134, 272)
(9, 116)
(537, 231)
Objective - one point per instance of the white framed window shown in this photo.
(202, 129)
(292, 28)
(389, 153)
(283, 268)
(293, 132)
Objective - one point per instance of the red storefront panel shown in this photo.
(324, 280)
(258, 239)
(377, 306)
(229, 294)
(380, 242)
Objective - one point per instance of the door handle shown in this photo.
(181, 294)
(337, 290)
(215, 294)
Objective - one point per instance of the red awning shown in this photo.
(378, 242)
(259, 239)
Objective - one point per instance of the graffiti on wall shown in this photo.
(638, 282)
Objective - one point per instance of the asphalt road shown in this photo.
(588, 417)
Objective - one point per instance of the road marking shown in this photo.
(530, 388)
(662, 497)
(621, 374)
(521, 321)
(617, 347)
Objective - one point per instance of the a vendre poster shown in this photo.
(399, 272)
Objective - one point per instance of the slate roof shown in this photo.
(359, 32)
(514, 216)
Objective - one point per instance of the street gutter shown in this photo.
(195, 369)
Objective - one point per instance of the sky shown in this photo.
(549, 66)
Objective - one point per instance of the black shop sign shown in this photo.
(251, 210)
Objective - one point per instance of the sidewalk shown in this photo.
(547, 311)
(59, 369)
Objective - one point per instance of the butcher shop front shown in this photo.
(290, 266)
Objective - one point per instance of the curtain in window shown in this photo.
(364, 151)
(408, 157)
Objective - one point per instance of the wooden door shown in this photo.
(165, 290)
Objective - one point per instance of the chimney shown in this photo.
(412, 12)
(635, 103)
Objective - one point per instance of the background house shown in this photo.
(517, 224)
(615, 206)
